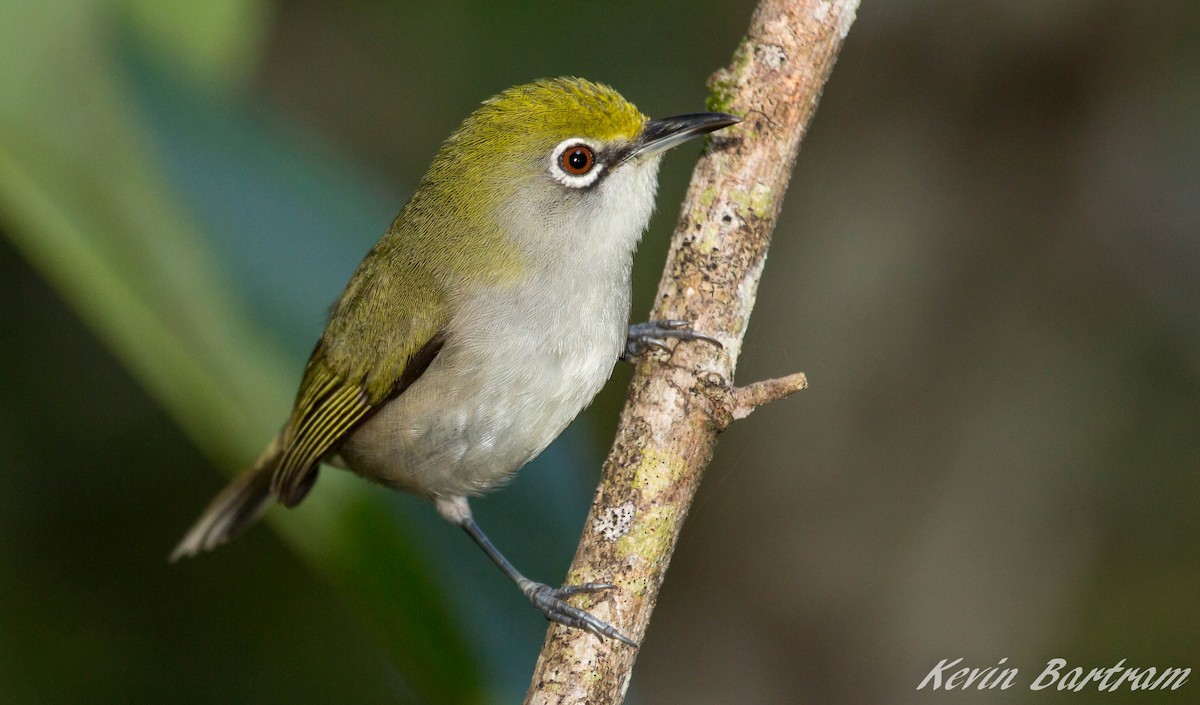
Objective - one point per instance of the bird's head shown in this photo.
(559, 158)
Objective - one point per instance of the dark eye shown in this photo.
(577, 160)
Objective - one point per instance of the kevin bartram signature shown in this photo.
(948, 675)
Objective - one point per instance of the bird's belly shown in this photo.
(476, 417)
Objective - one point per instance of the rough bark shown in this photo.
(679, 401)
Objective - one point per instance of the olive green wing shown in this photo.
(378, 341)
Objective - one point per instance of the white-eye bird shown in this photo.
(487, 317)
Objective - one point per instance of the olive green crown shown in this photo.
(564, 107)
(546, 112)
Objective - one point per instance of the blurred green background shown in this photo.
(988, 265)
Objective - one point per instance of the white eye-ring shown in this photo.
(573, 163)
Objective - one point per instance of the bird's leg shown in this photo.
(652, 334)
(549, 601)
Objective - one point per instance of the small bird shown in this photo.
(485, 319)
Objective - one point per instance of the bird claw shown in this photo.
(550, 602)
(652, 334)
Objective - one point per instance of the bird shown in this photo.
(488, 315)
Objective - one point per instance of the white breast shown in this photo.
(521, 361)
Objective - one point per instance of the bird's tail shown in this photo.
(236, 507)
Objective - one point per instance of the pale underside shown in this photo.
(520, 360)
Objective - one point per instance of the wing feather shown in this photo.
(374, 346)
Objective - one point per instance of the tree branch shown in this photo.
(679, 402)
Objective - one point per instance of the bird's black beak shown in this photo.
(664, 133)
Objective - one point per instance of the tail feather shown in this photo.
(236, 507)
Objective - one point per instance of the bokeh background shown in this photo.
(988, 265)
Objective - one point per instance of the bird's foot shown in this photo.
(653, 334)
(551, 603)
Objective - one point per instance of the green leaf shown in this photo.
(85, 198)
